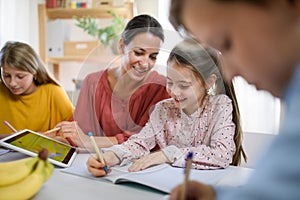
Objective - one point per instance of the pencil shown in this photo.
(99, 153)
(52, 130)
(186, 175)
(10, 126)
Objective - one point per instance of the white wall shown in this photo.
(147, 7)
(255, 144)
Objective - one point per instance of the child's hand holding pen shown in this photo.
(96, 167)
(194, 190)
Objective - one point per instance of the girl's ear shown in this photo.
(121, 46)
(211, 81)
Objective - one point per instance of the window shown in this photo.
(260, 111)
(18, 21)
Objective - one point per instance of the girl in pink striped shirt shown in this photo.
(201, 116)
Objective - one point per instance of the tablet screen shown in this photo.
(34, 143)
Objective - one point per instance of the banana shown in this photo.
(37, 170)
(5, 165)
(27, 187)
(15, 171)
(49, 169)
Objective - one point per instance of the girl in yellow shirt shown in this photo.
(30, 97)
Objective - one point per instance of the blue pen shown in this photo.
(189, 160)
(99, 153)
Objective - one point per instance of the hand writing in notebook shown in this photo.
(96, 167)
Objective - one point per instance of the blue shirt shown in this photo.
(277, 175)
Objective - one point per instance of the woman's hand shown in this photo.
(67, 126)
(72, 133)
(195, 190)
(96, 168)
(148, 161)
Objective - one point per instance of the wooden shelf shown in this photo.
(101, 12)
(56, 60)
(89, 58)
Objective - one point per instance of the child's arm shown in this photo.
(136, 146)
(140, 144)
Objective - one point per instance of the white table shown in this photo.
(66, 186)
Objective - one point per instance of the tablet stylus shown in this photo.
(10, 126)
(52, 130)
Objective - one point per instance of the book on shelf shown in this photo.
(52, 3)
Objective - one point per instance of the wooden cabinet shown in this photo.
(45, 15)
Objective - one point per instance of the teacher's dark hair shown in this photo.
(142, 24)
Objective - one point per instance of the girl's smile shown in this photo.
(184, 87)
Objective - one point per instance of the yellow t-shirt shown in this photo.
(39, 111)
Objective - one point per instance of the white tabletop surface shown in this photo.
(67, 186)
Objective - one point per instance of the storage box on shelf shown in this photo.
(79, 48)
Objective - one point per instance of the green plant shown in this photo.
(106, 34)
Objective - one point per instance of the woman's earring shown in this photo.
(34, 78)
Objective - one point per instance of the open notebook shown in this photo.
(161, 177)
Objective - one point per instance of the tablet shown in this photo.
(30, 143)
